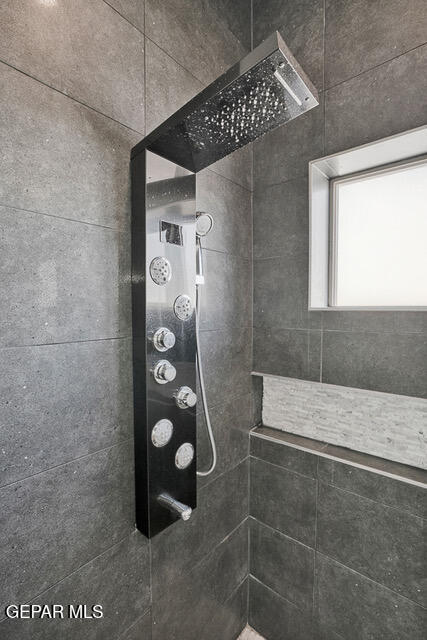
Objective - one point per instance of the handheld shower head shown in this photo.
(204, 223)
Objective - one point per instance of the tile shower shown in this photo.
(302, 539)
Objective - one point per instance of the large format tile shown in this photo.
(84, 49)
(377, 321)
(301, 26)
(290, 458)
(389, 491)
(283, 500)
(361, 34)
(380, 542)
(51, 413)
(140, 630)
(118, 580)
(195, 35)
(276, 618)
(64, 280)
(294, 353)
(230, 206)
(281, 293)
(227, 362)
(131, 10)
(280, 215)
(209, 584)
(176, 549)
(284, 154)
(359, 609)
(226, 298)
(59, 157)
(237, 14)
(380, 102)
(168, 86)
(54, 522)
(231, 422)
(282, 564)
(389, 362)
(237, 166)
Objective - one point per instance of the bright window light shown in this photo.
(378, 252)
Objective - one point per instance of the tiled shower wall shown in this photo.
(336, 552)
(81, 83)
(369, 62)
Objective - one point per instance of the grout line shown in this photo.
(284, 535)
(55, 344)
(376, 66)
(278, 466)
(70, 97)
(88, 562)
(220, 475)
(125, 18)
(123, 634)
(52, 215)
(203, 84)
(303, 611)
(63, 464)
(362, 575)
(233, 182)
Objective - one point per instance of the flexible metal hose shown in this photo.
(203, 391)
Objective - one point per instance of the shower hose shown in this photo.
(203, 390)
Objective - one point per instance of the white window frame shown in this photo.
(381, 155)
(394, 167)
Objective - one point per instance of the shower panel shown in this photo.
(264, 90)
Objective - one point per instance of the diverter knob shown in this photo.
(185, 398)
(164, 372)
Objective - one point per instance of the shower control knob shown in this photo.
(164, 372)
(185, 398)
(163, 339)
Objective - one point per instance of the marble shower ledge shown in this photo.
(382, 425)
(395, 470)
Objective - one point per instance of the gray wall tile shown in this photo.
(388, 491)
(284, 154)
(276, 618)
(168, 85)
(288, 457)
(219, 511)
(84, 49)
(59, 157)
(301, 26)
(359, 609)
(230, 206)
(378, 541)
(52, 414)
(383, 362)
(282, 564)
(227, 358)
(237, 166)
(368, 106)
(226, 298)
(132, 10)
(287, 352)
(231, 422)
(209, 583)
(194, 35)
(140, 630)
(56, 521)
(118, 580)
(283, 500)
(65, 280)
(361, 34)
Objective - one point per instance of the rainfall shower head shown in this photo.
(264, 90)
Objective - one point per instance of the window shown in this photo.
(378, 241)
(368, 225)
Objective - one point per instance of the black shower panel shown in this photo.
(164, 343)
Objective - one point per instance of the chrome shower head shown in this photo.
(264, 90)
(204, 223)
